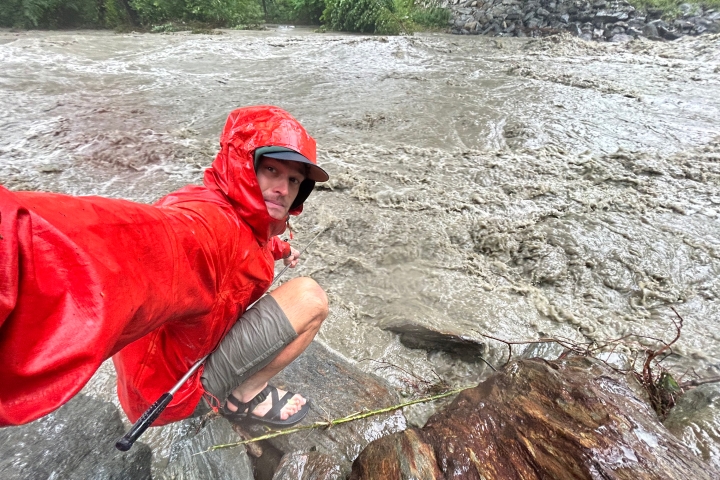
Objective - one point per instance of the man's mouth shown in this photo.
(275, 203)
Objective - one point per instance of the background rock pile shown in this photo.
(615, 21)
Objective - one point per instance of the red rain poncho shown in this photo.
(83, 277)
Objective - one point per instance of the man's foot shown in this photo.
(291, 407)
(271, 406)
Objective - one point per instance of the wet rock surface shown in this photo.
(694, 420)
(190, 459)
(336, 389)
(401, 456)
(75, 442)
(601, 20)
(78, 440)
(308, 466)
(572, 418)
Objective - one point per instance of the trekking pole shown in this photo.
(126, 441)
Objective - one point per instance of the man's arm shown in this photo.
(81, 277)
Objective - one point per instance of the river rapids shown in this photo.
(517, 188)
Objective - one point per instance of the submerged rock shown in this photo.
(572, 418)
(336, 389)
(77, 441)
(414, 334)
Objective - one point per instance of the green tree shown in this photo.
(219, 13)
(307, 11)
(366, 16)
(389, 17)
(48, 13)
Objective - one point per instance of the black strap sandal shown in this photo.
(272, 417)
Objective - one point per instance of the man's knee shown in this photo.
(303, 301)
(313, 296)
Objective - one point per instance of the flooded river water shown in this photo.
(508, 187)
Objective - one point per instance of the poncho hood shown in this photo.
(233, 171)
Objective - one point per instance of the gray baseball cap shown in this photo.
(314, 173)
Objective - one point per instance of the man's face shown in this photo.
(279, 182)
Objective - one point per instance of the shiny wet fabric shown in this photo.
(86, 278)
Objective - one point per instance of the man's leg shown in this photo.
(305, 305)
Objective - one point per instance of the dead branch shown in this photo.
(661, 387)
(563, 343)
(697, 383)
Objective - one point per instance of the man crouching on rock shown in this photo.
(159, 287)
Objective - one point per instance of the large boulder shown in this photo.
(572, 418)
(75, 442)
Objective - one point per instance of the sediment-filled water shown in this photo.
(509, 187)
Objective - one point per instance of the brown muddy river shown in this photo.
(509, 187)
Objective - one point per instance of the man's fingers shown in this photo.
(293, 258)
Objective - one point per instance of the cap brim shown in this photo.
(315, 173)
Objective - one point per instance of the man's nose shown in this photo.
(282, 187)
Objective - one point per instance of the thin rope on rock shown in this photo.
(338, 421)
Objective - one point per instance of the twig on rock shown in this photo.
(415, 381)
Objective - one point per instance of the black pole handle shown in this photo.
(144, 422)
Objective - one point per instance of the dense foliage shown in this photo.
(219, 13)
(48, 13)
(307, 11)
(367, 16)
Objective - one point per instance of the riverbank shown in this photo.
(600, 20)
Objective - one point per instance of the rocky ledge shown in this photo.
(615, 21)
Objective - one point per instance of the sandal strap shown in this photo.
(248, 407)
(234, 400)
(278, 404)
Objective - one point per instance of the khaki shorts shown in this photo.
(254, 341)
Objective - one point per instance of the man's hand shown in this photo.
(293, 258)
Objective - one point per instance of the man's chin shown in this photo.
(276, 212)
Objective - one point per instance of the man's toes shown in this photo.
(292, 407)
